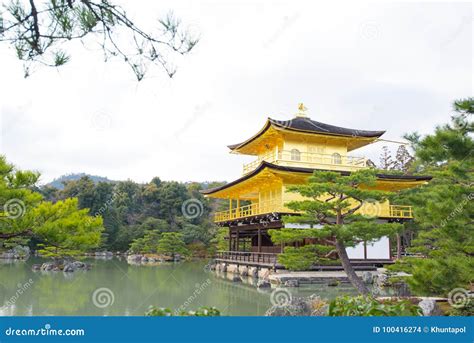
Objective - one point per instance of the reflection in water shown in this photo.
(134, 288)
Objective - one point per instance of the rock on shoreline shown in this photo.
(17, 253)
(67, 267)
(151, 258)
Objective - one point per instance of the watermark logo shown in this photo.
(459, 297)
(285, 24)
(47, 330)
(14, 208)
(101, 121)
(21, 289)
(285, 124)
(103, 297)
(198, 289)
(371, 208)
(199, 111)
(3, 293)
(192, 208)
(369, 30)
(463, 24)
(281, 297)
(457, 210)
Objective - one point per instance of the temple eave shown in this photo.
(405, 181)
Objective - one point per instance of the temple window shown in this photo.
(295, 155)
(336, 158)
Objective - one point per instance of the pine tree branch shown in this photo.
(36, 36)
(27, 232)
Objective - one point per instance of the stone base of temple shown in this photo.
(261, 278)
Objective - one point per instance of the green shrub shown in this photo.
(402, 265)
(172, 243)
(198, 249)
(158, 312)
(466, 310)
(368, 306)
(166, 312)
(302, 258)
(437, 276)
(202, 312)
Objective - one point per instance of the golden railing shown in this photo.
(401, 211)
(392, 211)
(308, 159)
(250, 210)
(270, 157)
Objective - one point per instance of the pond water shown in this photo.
(115, 288)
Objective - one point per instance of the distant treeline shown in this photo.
(130, 210)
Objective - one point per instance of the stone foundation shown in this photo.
(243, 270)
(264, 273)
(235, 272)
(253, 272)
(232, 268)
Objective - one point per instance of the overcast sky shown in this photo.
(375, 66)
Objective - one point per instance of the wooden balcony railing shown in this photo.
(391, 211)
(302, 159)
(243, 256)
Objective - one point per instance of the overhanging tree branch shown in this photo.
(38, 31)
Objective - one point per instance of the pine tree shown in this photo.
(146, 244)
(332, 201)
(219, 242)
(386, 161)
(403, 160)
(59, 229)
(172, 243)
(443, 208)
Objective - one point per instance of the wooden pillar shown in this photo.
(230, 208)
(233, 240)
(365, 250)
(237, 241)
(259, 244)
(237, 209)
(259, 208)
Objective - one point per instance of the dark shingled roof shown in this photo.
(265, 164)
(308, 125)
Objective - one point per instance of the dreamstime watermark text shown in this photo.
(46, 331)
(458, 209)
(22, 288)
(106, 206)
(197, 292)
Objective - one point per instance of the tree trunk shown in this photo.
(399, 246)
(346, 264)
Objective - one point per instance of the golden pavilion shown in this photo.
(286, 153)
